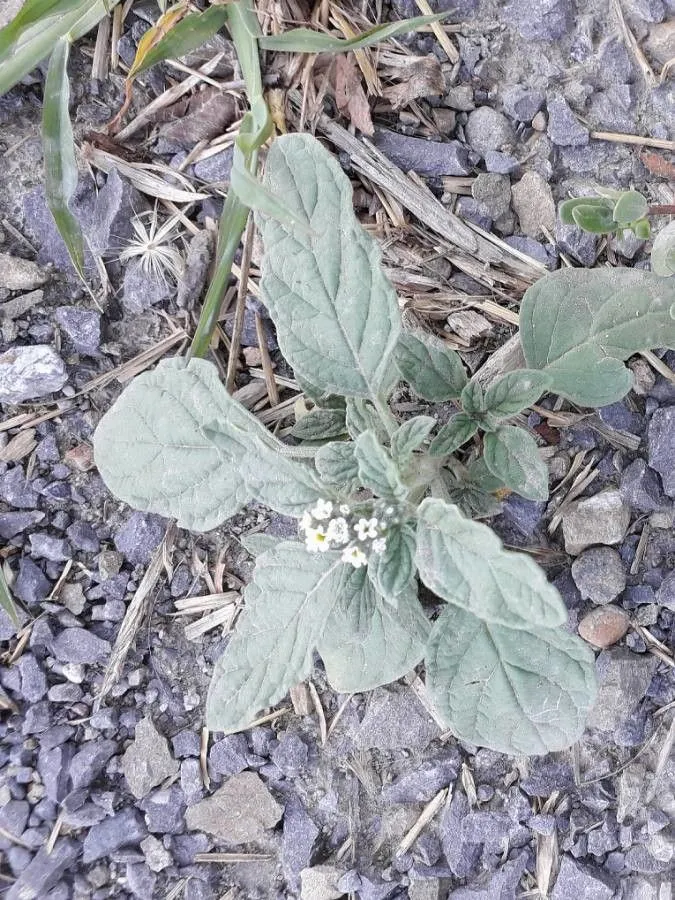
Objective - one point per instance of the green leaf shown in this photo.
(579, 324)
(191, 32)
(377, 470)
(630, 207)
(151, 450)
(59, 154)
(271, 649)
(410, 436)
(362, 416)
(473, 499)
(336, 314)
(42, 23)
(431, 369)
(451, 436)
(336, 464)
(465, 563)
(566, 209)
(7, 601)
(287, 485)
(511, 454)
(520, 692)
(258, 543)
(516, 391)
(320, 424)
(367, 642)
(472, 398)
(304, 40)
(642, 230)
(246, 32)
(663, 252)
(320, 398)
(595, 219)
(393, 571)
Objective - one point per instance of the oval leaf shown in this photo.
(319, 425)
(431, 369)
(377, 470)
(410, 436)
(595, 219)
(663, 252)
(516, 692)
(514, 392)
(393, 571)
(451, 436)
(287, 605)
(630, 207)
(336, 463)
(578, 324)
(465, 563)
(336, 314)
(512, 455)
(566, 209)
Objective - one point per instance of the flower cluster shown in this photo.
(357, 532)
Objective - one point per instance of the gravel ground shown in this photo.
(117, 797)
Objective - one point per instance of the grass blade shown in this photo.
(6, 600)
(304, 40)
(59, 153)
(245, 30)
(30, 44)
(32, 13)
(190, 32)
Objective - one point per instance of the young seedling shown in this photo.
(376, 499)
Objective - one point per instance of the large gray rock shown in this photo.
(238, 812)
(82, 327)
(599, 574)
(623, 679)
(18, 274)
(564, 129)
(534, 205)
(576, 882)
(77, 645)
(487, 129)
(395, 719)
(30, 372)
(148, 761)
(124, 829)
(44, 870)
(640, 487)
(320, 883)
(540, 20)
(424, 157)
(661, 436)
(601, 519)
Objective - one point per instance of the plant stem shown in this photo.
(662, 209)
(385, 415)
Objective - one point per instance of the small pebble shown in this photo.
(604, 626)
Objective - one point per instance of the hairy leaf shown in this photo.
(515, 391)
(579, 324)
(595, 219)
(566, 209)
(258, 543)
(271, 649)
(362, 416)
(377, 470)
(304, 40)
(663, 252)
(433, 370)
(466, 564)
(472, 398)
(515, 691)
(59, 154)
(287, 485)
(451, 436)
(367, 642)
(336, 464)
(151, 450)
(473, 499)
(336, 314)
(630, 207)
(393, 571)
(320, 424)
(512, 455)
(410, 436)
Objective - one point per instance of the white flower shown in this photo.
(338, 531)
(323, 509)
(316, 539)
(355, 556)
(389, 510)
(306, 521)
(344, 509)
(366, 528)
(380, 545)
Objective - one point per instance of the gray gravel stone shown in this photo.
(501, 163)
(90, 761)
(395, 719)
(148, 760)
(601, 519)
(534, 205)
(31, 586)
(290, 755)
(522, 103)
(648, 10)
(30, 372)
(18, 274)
(216, 168)
(141, 881)
(298, 838)
(599, 574)
(228, 756)
(493, 192)
(13, 819)
(320, 883)
(640, 487)
(44, 871)
(83, 537)
(77, 645)
(156, 855)
(576, 243)
(424, 157)
(238, 812)
(16, 491)
(424, 781)
(124, 829)
(623, 681)
(487, 129)
(661, 437)
(12, 524)
(165, 811)
(46, 546)
(540, 20)
(576, 882)
(142, 290)
(140, 536)
(191, 781)
(186, 743)
(33, 680)
(462, 856)
(665, 595)
(82, 326)
(564, 129)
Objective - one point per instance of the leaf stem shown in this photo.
(385, 414)
(662, 209)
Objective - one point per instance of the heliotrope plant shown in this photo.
(380, 503)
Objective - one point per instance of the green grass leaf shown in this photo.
(59, 154)
(7, 601)
(304, 40)
(191, 32)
